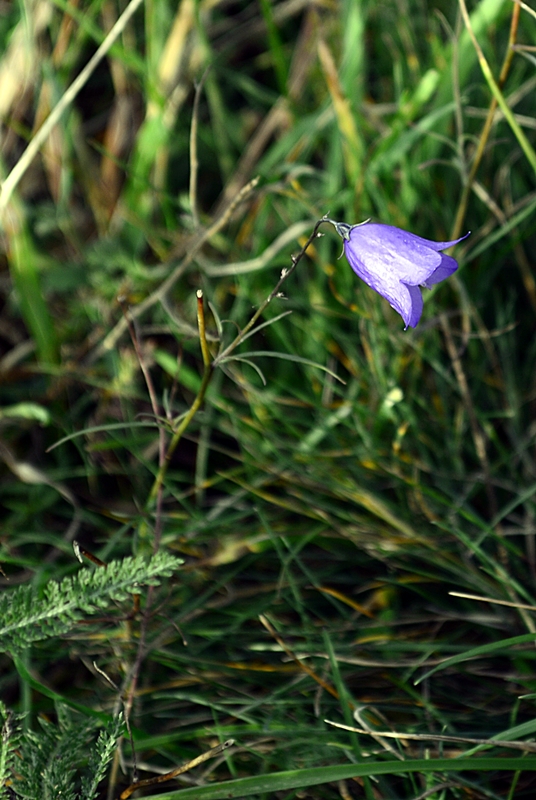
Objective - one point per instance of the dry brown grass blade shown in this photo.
(507, 603)
(353, 148)
(529, 747)
(16, 174)
(168, 776)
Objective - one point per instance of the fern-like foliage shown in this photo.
(52, 763)
(100, 756)
(10, 740)
(48, 758)
(28, 615)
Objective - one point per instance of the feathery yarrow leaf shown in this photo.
(9, 742)
(100, 756)
(29, 615)
(51, 758)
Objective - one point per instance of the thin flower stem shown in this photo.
(210, 365)
(285, 273)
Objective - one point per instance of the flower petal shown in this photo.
(395, 263)
(391, 254)
(403, 297)
(444, 270)
(408, 303)
(439, 245)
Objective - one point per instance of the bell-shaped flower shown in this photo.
(396, 263)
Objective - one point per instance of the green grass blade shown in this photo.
(483, 650)
(298, 779)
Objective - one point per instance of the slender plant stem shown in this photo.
(210, 365)
(285, 273)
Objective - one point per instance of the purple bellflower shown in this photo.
(396, 263)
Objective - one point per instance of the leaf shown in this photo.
(28, 615)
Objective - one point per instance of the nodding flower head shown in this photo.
(396, 263)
